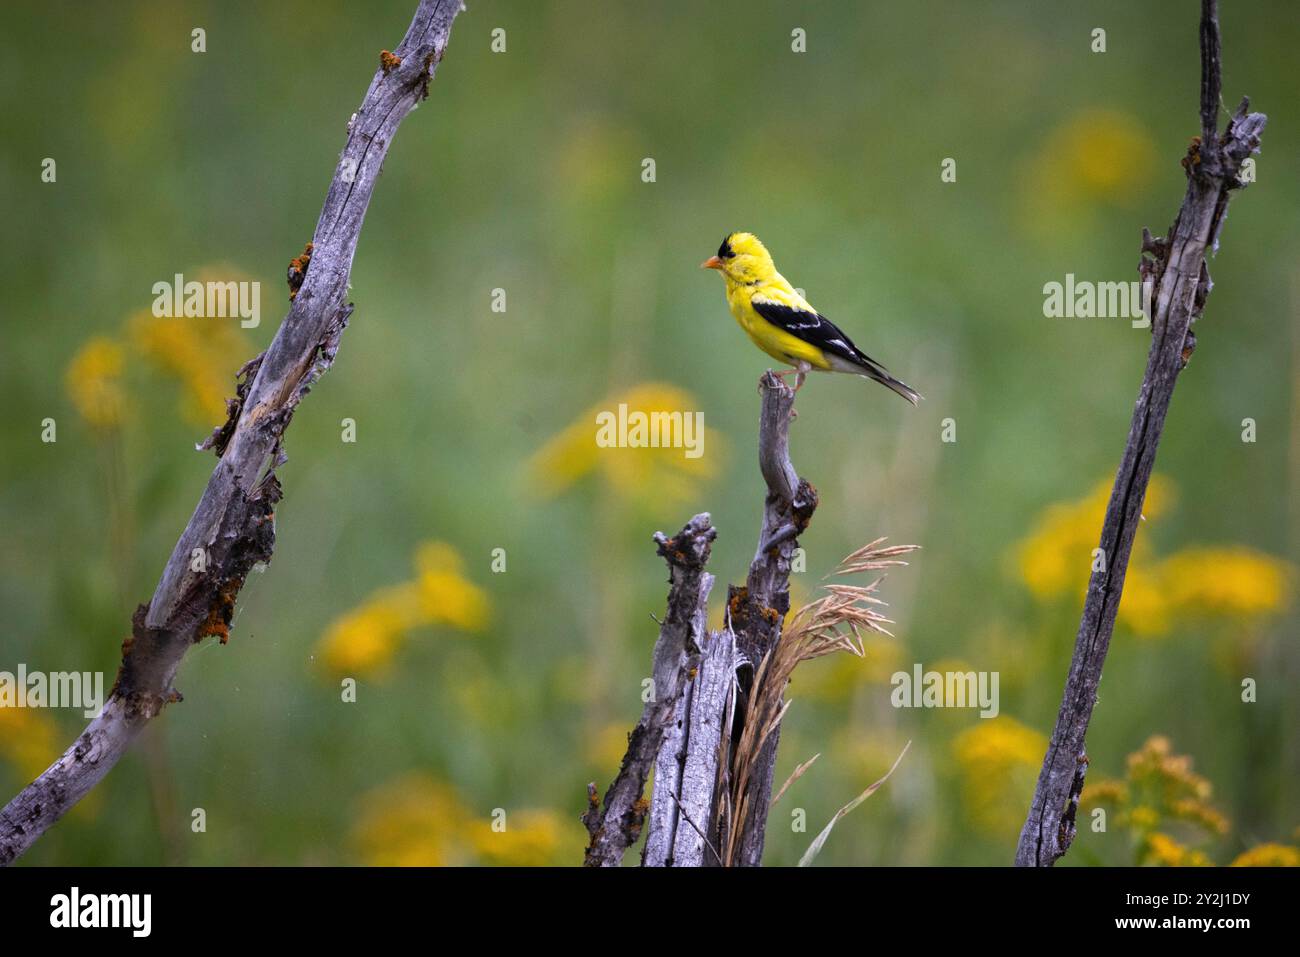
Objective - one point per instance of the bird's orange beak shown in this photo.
(713, 262)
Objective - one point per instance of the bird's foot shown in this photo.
(762, 380)
(797, 373)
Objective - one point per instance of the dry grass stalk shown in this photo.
(834, 622)
(795, 775)
(820, 841)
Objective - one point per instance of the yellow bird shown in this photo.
(783, 324)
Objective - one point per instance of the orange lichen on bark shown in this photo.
(640, 808)
(298, 270)
(221, 613)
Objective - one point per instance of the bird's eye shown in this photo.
(725, 251)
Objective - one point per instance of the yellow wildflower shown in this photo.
(1056, 557)
(29, 740)
(1170, 774)
(1200, 814)
(1105, 791)
(417, 821)
(94, 382)
(531, 838)
(1162, 850)
(1145, 607)
(365, 639)
(1268, 855)
(1203, 580)
(635, 472)
(1103, 153)
(446, 595)
(1143, 817)
(200, 354)
(1231, 580)
(1159, 789)
(999, 759)
(412, 821)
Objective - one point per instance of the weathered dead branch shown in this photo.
(1177, 268)
(232, 529)
(717, 746)
(616, 825)
(756, 612)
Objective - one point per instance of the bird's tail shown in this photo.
(871, 369)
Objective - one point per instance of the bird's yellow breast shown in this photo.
(776, 342)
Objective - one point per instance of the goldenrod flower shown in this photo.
(29, 740)
(1105, 791)
(417, 821)
(201, 354)
(412, 821)
(1160, 789)
(446, 595)
(1103, 153)
(999, 759)
(1142, 818)
(635, 470)
(94, 382)
(531, 838)
(1163, 851)
(1169, 774)
(1145, 607)
(1232, 580)
(365, 639)
(1198, 813)
(1055, 558)
(1268, 855)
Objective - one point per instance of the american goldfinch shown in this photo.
(783, 324)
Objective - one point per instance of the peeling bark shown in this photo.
(686, 772)
(616, 826)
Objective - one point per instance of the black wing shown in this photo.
(819, 331)
(811, 327)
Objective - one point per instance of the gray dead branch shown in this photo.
(233, 525)
(688, 739)
(1176, 265)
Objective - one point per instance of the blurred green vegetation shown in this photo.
(523, 172)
